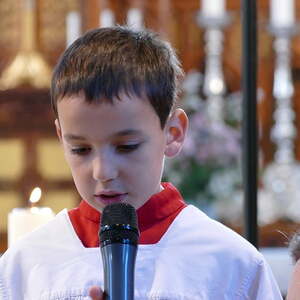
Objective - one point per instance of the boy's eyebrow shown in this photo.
(73, 137)
(128, 132)
(125, 132)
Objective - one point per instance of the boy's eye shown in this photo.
(127, 148)
(80, 150)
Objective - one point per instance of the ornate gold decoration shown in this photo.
(28, 67)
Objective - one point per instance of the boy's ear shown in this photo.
(58, 130)
(176, 128)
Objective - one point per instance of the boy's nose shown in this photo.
(103, 169)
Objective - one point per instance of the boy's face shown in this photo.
(116, 151)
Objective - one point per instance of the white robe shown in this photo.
(197, 258)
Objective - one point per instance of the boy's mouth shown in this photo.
(110, 197)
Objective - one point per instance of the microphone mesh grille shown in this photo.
(119, 214)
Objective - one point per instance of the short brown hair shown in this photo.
(294, 246)
(107, 61)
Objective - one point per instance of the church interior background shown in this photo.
(33, 34)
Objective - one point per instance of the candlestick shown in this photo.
(213, 8)
(214, 83)
(24, 220)
(282, 13)
(214, 19)
(281, 177)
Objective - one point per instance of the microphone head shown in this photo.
(119, 225)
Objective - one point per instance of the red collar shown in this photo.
(154, 217)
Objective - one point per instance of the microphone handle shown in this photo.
(119, 264)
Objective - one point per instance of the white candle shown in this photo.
(135, 18)
(282, 13)
(213, 8)
(24, 220)
(73, 27)
(106, 18)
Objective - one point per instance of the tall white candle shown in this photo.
(282, 13)
(106, 18)
(135, 18)
(24, 220)
(213, 8)
(73, 27)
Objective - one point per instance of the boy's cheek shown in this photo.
(294, 286)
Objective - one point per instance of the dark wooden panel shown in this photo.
(25, 110)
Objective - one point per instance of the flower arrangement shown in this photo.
(207, 171)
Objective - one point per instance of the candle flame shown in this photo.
(35, 195)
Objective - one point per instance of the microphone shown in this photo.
(118, 237)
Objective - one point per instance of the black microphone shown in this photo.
(118, 237)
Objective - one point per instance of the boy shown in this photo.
(113, 93)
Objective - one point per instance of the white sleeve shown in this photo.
(262, 284)
(10, 275)
(3, 289)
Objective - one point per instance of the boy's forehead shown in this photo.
(82, 98)
(126, 116)
(121, 133)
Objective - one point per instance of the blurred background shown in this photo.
(207, 37)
